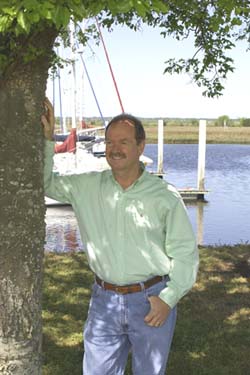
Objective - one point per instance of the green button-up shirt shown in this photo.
(130, 235)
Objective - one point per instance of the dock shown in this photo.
(187, 193)
(193, 194)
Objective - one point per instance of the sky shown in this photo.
(137, 60)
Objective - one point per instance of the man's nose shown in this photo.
(115, 147)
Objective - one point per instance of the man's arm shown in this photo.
(55, 187)
(61, 188)
(181, 248)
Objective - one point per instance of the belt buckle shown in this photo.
(122, 290)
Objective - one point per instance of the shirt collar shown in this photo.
(138, 180)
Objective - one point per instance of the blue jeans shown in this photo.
(115, 326)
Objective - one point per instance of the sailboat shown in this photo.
(81, 150)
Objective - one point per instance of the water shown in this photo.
(223, 219)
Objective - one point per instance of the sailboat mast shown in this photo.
(73, 56)
(63, 124)
(110, 67)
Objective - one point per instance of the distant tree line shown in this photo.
(245, 121)
(222, 121)
(226, 121)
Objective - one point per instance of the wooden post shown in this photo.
(201, 155)
(160, 147)
(200, 210)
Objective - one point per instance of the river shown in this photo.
(222, 220)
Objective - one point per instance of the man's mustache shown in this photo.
(117, 154)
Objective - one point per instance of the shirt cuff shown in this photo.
(169, 297)
(49, 147)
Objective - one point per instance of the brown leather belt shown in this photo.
(131, 288)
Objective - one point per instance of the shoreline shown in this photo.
(191, 141)
(190, 134)
(181, 134)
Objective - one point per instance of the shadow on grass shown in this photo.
(61, 360)
(213, 327)
(212, 332)
(66, 293)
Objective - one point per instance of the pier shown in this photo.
(193, 194)
(188, 193)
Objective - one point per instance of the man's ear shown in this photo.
(141, 146)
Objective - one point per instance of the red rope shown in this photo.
(110, 67)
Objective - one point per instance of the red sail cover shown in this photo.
(69, 145)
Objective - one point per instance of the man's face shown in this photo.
(122, 150)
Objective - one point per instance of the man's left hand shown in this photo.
(158, 313)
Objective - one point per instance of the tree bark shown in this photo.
(22, 224)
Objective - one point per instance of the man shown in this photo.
(140, 246)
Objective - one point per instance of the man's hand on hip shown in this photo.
(158, 313)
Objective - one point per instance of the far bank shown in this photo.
(190, 134)
(180, 133)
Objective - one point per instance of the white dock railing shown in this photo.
(160, 147)
(201, 155)
(187, 192)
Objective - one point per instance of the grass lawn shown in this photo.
(212, 335)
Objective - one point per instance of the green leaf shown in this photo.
(120, 7)
(97, 6)
(159, 6)
(62, 16)
(22, 21)
(9, 10)
(141, 7)
(79, 11)
(5, 23)
(30, 4)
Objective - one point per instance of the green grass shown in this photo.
(212, 335)
(190, 134)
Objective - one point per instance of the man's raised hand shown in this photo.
(48, 120)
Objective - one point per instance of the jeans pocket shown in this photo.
(156, 289)
(96, 290)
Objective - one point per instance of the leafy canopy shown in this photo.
(215, 27)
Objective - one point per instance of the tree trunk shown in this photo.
(22, 225)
